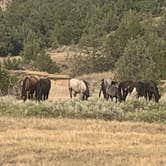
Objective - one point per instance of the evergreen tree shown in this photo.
(137, 62)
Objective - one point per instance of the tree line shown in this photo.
(126, 36)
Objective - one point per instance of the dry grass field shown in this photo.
(65, 142)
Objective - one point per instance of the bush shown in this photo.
(13, 64)
(7, 82)
(88, 61)
(44, 63)
(93, 109)
(136, 62)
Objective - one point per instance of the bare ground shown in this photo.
(68, 142)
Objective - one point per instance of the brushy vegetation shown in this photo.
(94, 108)
(13, 64)
(8, 83)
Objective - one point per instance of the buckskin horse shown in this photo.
(79, 87)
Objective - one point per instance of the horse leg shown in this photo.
(29, 95)
(115, 99)
(46, 96)
(150, 95)
(75, 94)
(100, 93)
(82, 96)
(70, 91)
(146, 96)
(32, 93)
(107, 97)
(112, 98)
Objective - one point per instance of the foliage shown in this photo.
(27, 27)
(13, 64)
(7, 82)
(94, 108)
(136, 62)
(129, 27)
(87, 61)
(44, 63)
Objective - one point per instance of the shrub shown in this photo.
(7, 82)
(88, 61)
(93, 109)
(136, 62)
(13, 64)
(44, 63)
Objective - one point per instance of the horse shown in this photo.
(105, 83)
(125, 87)
(79, 87)
(43, 88)
(113, 91)
(147, 89)
(28, 87)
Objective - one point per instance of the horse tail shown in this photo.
(70, 91)
(23, 92)
(70, 88)
(156, 92)
(87, 89)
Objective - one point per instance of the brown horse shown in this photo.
(28, 87)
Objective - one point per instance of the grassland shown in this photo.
(66, 142)
(73, 132)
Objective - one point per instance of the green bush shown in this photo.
(13, 64)
(44, 63)
(7, 82)
(136, 62)
(88, 61)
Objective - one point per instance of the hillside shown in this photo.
(98, 37)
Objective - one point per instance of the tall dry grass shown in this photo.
(66, 142)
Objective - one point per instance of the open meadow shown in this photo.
(74, 132)
(65, 142)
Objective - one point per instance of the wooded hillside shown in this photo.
(113, 33)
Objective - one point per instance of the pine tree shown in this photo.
(136, 62)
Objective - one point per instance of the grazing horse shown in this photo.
(28, 87)
(105, 83)
(125, 87)
(113, 91)
(79, 87)
(43, 88)
(147, 89)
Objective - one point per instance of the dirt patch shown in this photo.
(59, 90)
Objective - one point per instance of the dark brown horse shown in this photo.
(28, 87)
(43, 88)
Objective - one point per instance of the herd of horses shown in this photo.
(35, 88)
(121, 89)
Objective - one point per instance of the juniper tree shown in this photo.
(136, 62)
